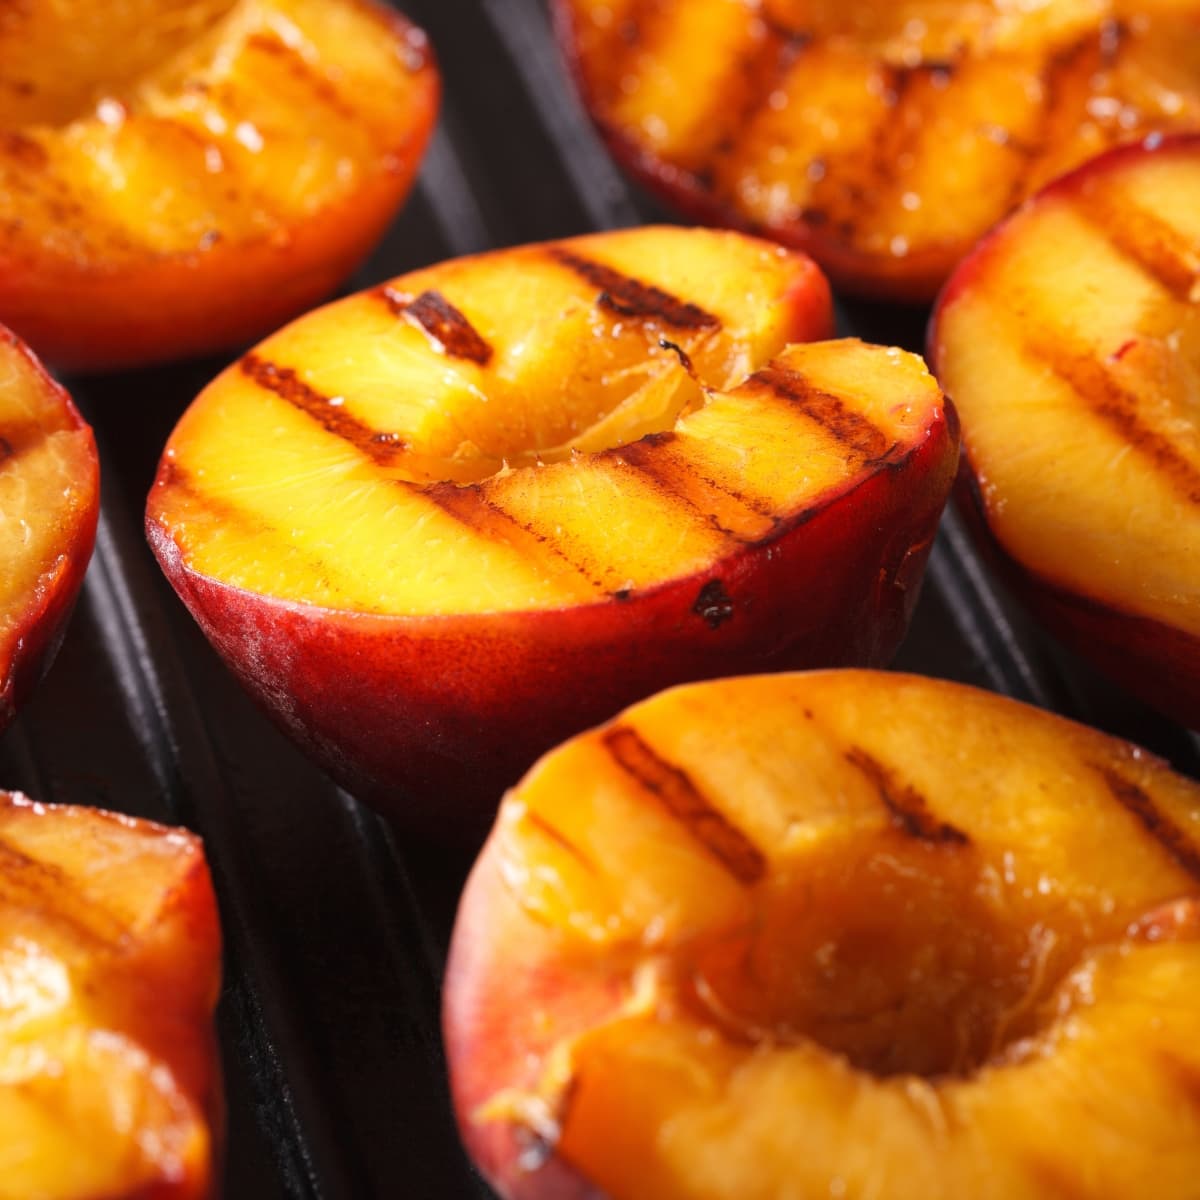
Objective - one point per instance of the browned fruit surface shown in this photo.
(441, 525)
(883, 138)
(837, 934)
(49, 503)
(109, 972)
(1070, 341)
(176, 177)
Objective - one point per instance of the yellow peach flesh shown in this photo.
(47, 491)
(1073, 356)
(891, 942)
(352, 461)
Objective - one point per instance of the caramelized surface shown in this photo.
(1071, 345)
(882, 137)
(511, 432)
(163, 129)
(109, 965)
(885, 937)
(48, 495)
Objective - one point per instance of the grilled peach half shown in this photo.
(49, 505)
(845, 933)
(441, 525)
(109, 972)
(1070, 341)
(882, 137)
(176, 178)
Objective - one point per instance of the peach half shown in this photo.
(180, 177)
(441, 525)
(837, 934)
(883, 137)
(1070, 341)
(49, 505)
(109, 973)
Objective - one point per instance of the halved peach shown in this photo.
(176, 178)
(836, 934)
(49, 505)
(882, 137)
(1070, 341)
(109, 972)
(438, 526)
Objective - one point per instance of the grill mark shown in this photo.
(628, 297)
(173, 477)
(850, 428)
(44, 889)
(295, 65)
(446, 327)
(560, 839)
(613, 49)
(673, 479)
(19, 437)
(471, 506)
(753, 75)
(1064, 81)
(25, 151)
(1184, 1076)
(676, 792)
(908, 809)
(1153, 820)
(1155, 247)
(381, 448)
(1118, 407)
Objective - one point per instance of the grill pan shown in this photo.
(336, 928)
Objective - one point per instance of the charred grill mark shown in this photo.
(1156, 248)
(672, 477)
(610, 52)
(44, 889)
(859, 435)
(1116, 406)
(445, 326)
(544, 827)
(295, 65)
(1184, 1075)
(676, 792)
(1065, 80)
(381, 448)
(250, 524)
(753, 78)
(19, 437)
(628, 297)
(1153, 820)
(908, 809)
(471, 506)
(24, 150)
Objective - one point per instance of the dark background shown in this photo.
(336, 929)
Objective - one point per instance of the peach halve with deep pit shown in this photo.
(438, 526)
(838, 934)
(49, 506)
(180, 177)
(1070, 340)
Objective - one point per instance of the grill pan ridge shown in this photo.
(336, 928)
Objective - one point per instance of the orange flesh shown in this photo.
(48, 490)
(108, 976)
(878, 939)
(884, 137)
(142, 129)
(352, 461)
(1072, 351)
